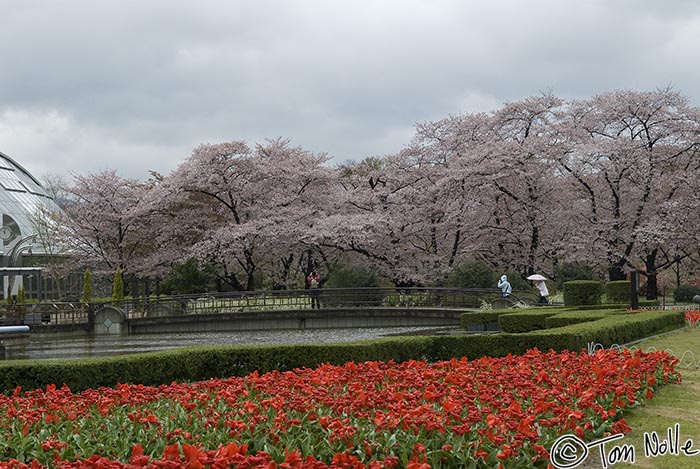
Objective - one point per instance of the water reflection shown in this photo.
(104, 345)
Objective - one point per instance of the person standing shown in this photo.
(544, 293)
(505, 287)
(313, 282)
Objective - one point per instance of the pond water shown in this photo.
(57, 347)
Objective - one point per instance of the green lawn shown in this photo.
(672, 404)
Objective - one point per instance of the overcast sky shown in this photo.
(89, 85)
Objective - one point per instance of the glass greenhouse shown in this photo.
(22, 199)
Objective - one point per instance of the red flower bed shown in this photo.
(692, 317)
(367, 415)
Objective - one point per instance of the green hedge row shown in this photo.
(685, 293)
(199, 363)
(618, 291)
(532, 319)
(481, 317)
(529, 320)
(621, 306)
(569, 318)
(582, 292)
(617, 327)
(626, 327)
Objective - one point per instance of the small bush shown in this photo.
(685, 293)
(353, 277)
(582, 292)
(188, 278)
(472, 275)
(86, 297)
(523, 321)
(569, 271)
(357, 277)
(21, 296)
(618, 291)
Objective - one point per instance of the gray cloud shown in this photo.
(135, 85)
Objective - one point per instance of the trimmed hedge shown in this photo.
(481, 317)
(582, 292)
(524, 321)
(619, 306)
(622, 328)
(200, 363)
(685, 293)
(618, 291)
(567, 319)
(616, 328)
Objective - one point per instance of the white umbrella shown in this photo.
(537, 277)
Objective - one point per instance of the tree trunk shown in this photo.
(615, 272)
(652, 285)
(250, 282)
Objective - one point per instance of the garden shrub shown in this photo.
(472, 275)
(357, 277)
(582, 292)
(524, 321)
(21, 296)
(86, 297)
(570, 271)
(353, 277)
(567, 319)
(620, 306)
(618, 291)
(480, 321)
(685, 293)
(188, 278)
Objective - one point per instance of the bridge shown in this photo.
(255, 310)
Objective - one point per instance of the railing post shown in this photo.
(634, 286)
(91, 316)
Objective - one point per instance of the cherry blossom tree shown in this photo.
(518, 184)
(47, 225)
(631, 154)
(609, 181)
(241, 209)
(102, 221)
(393, 216)
(490, 192)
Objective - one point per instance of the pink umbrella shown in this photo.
(537, 277)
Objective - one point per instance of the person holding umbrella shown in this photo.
(541, 286)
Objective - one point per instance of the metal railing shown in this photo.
(44, 313)
(291, 300)
(57, 313)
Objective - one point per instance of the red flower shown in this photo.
(137, 456)
(171, 453)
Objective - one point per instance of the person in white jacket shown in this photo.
(505, 287)
(544, 293)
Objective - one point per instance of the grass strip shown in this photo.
(674, 407)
